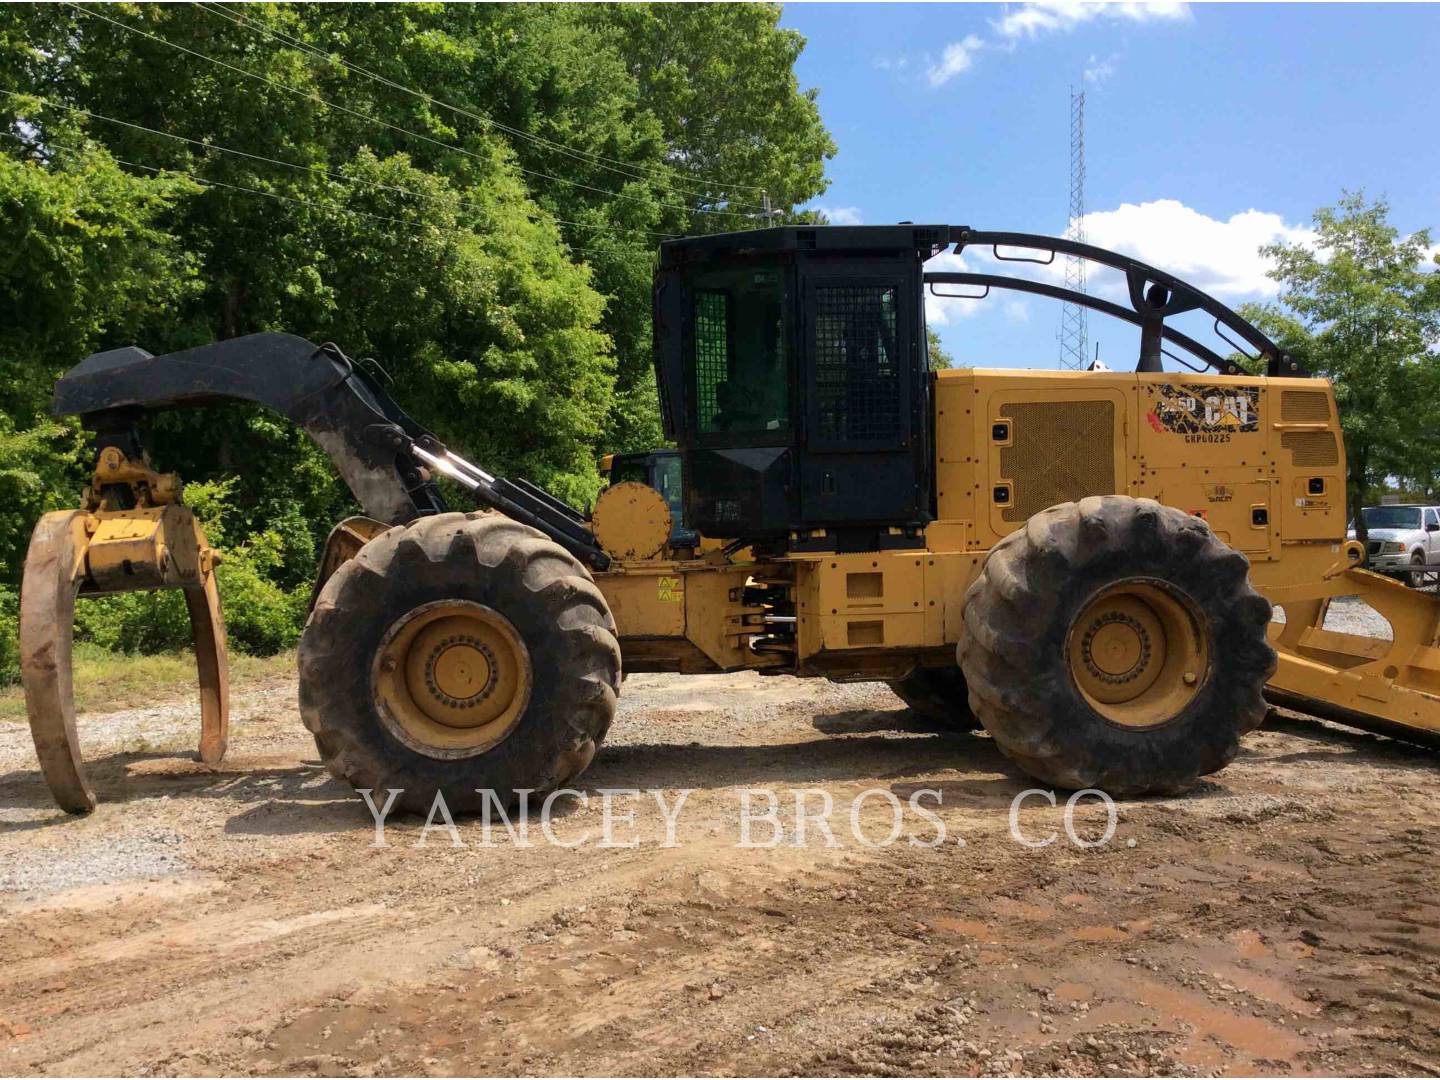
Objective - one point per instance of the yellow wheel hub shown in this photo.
(1139, 653)
(452, 678)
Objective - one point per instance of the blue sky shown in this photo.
(1210, 129)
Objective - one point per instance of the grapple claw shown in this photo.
(132, 534)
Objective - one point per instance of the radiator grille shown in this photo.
(1311, 449)
(1060, 451)
(1304, 405)
(857, 366)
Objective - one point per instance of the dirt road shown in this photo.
(1284, 918)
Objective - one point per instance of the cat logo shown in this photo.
(1206, 413)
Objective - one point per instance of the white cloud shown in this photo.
(1097, 70)
(841, 215)
(1220, 257)
(1031, 20)
(1026, 21)
(957, 57)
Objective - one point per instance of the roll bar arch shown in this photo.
(1154, 295)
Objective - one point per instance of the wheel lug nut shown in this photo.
(1190, 678)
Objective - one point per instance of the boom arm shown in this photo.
(378, 450)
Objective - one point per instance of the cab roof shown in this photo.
(927, 240)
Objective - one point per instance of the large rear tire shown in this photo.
(1117, 644)
(938, 694)
(462, 653)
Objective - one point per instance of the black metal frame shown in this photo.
(1154, 296)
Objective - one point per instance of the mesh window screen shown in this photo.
(857, 363)
(712, 353)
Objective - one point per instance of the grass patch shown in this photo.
(106, 680)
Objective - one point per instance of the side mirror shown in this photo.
(1432, 526)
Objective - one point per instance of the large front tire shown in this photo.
(1116, 643)
(459, 654)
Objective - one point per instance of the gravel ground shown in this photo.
(1350, 615)
(1281, 919)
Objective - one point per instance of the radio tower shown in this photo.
(1074, 337)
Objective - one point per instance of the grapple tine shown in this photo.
(207, 628)
(54, 570)
(132, 534)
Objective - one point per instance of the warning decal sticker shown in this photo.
(1206, 414)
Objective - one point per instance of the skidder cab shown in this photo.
(792, 371)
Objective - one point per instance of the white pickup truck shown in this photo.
(1401, 538)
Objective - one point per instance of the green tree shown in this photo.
(736, 129)
(618, 121)
(1358, 305)
(720, 78)
(424, 250)
(89, 263)
(939, 358)
(472, 194)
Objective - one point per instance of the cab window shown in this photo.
(739, 373)
(667, 482)
(629, 469)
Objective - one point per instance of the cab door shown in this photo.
(862, 378)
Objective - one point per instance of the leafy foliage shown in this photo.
(9, 636)
(472, 194)
(88, 261)
(938, 357)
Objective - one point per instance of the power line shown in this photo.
(412, 225)
(240, 187)
(612, 164)
(386, 124)
(337, 177)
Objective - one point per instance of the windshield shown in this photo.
(667, 482)
(665, 479)
(738, 367)
(1392, 517)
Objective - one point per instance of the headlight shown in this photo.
(1390, 547)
